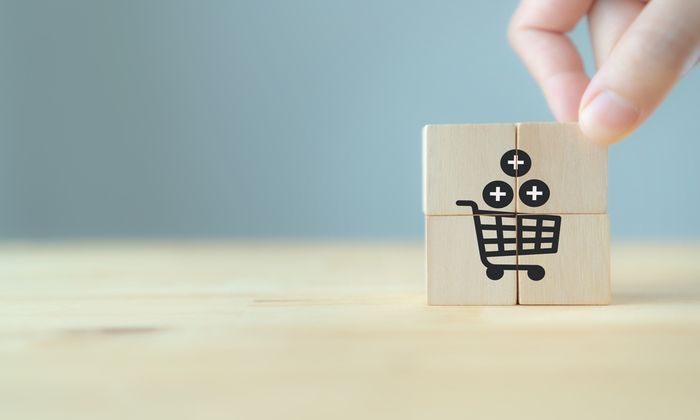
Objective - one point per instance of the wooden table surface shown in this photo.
(329, 331)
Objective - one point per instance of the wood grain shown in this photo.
(458, 162)
(574, 168)
(455, 274)
(579, 273)
(331, 330)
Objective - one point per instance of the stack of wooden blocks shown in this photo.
(515, 214)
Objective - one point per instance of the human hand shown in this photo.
(642, 48)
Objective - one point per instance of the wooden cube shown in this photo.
(573, 168)
(515, 214)
(578, 273)
(460, 162)
(456, 273)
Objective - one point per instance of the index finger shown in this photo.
(537, 32)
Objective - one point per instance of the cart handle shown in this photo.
(468, 203)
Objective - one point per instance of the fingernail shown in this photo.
(608, 117)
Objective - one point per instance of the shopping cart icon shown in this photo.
(502, 234)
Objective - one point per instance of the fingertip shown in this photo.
(563, 92)
(608, 117)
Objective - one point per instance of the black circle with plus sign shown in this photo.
(497, 194)
(534, 193)
(515, 163)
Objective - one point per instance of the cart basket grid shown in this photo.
(502, 234)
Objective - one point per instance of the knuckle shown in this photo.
(513, 32)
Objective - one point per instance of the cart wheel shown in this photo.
(536, 273)
(494, 273)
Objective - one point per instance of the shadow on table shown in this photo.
(675, 295)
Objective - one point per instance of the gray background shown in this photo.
(277, 119)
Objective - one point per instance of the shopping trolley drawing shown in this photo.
(501, 234)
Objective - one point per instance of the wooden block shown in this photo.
(574, 168)
(463, 162)
(455, 273)
(578, 273)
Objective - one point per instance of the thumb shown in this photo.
(650, 57)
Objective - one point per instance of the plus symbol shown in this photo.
(498, 194)
(515, 162)
(534, 193)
